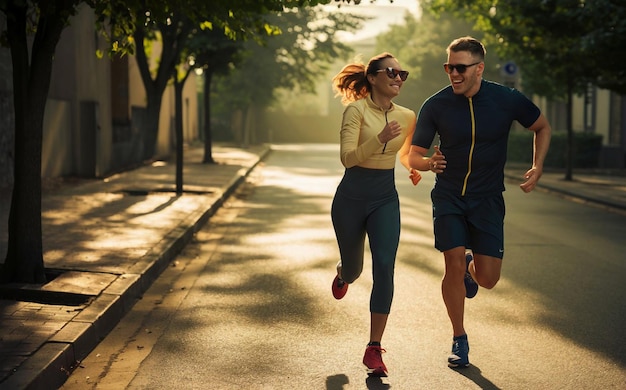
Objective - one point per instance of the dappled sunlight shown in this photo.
(309, 184)
(308, 223)
(231, 155)
(307, 148)
(498, 316)
(499, 308)
(261, 281)
(248, 289)
(293, 242)
(71, 209)
(114, 226)
(408, 237)
(293, 230)
(147, 209)
(318, 249)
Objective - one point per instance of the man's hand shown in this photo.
(437, 162)
(532, 177)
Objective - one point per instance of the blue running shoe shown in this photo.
(471, 287)
(460, 351)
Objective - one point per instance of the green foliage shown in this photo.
(213, 51)
(419, 44)
(238, 19)
(296, 58)
(605, 41)
(560, 45)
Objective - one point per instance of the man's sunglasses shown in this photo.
(393, 73)
(461, 68)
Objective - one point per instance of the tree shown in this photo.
(562, 46)
(208, 49)
(32, 67)
(179, 84)
(293, 59)
(44, 20)
(213, 52)
(176, 25)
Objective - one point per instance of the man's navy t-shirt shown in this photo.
(473, 134)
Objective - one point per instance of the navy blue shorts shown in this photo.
(476, 223)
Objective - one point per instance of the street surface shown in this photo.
(247, 305)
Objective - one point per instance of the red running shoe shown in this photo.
(373, 360)
(340, 288)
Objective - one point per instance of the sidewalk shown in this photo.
(105, 242)
(595, 187)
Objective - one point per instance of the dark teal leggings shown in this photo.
(366, 202)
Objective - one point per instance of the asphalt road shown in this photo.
(247, 305)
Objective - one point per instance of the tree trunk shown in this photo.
(31, 82)
(151, 130)
(208, 139)
(178, 97)
(155, 87)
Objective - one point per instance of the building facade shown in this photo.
(95, 109)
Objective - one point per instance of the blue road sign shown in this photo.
(510, 69)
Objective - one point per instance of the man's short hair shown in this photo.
(467, 43)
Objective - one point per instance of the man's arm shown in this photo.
(419, 161)
(541, 144)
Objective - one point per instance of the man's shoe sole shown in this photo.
(455, 365)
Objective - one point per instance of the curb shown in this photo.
(51, 365)
(575, 196)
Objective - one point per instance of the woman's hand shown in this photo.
(415, 176)
(389, 132)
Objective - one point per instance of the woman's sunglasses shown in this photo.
(393, 73)
(461, 68)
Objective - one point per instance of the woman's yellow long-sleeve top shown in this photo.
(362, 121)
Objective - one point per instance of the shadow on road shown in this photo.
(474, 374)
(336, 382)
(376, 383)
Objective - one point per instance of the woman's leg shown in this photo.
(349, 224)
(383, 228)
(378, 322)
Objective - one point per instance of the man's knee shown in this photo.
(487, 282)
(487, 270)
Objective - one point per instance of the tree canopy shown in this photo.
(295, 59)
(560, 45)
